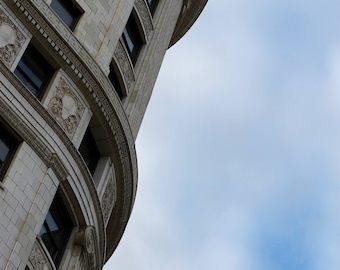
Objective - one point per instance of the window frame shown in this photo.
(70, 8)
(132, 36)
(14, 142)
(116, 80)
(57, 211)
(89, 142)
(34, 66)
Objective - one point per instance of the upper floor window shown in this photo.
(56, 230)
(132, 38)
(67, 11)
(8, 145)
(34, 71)
(152, 5)
(89, 151)
(117, 84)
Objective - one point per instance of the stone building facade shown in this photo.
(75, 80)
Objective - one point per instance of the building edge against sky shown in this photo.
(75, 80)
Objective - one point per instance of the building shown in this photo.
(75, 80)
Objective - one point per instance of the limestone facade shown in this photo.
(72, 99)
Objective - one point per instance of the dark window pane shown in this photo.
(115, 82)
(51, 222)
(4, 149)
(67, 11)
(152, 5)
(132, 38)
(89, 151)
(56, 230)
(34, 71)
(8, 145)
(128, 40)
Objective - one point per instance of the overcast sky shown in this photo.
(239, 150)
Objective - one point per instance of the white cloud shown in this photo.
(239, 152)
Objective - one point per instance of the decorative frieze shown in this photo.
(11, 40)
(66, 107)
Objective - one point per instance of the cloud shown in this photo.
(239, 153)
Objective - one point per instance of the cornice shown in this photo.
(191, 10)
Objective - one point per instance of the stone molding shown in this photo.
(189, 14)
(10, 116)
(11, 40)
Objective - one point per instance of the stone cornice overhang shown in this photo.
(74, 59)
(191, 10)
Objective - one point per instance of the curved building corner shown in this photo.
(75, 80)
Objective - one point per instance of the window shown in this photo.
(8, 145)
(56, 230)
(116, 82)
(132, 38)
(89, 151)
(34, 71)
(152, 5)
(67, 11)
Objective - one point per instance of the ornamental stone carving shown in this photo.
(11, 40)
(145, 16)
(86, 239)
(38, 259)
(66, 107)
(108, 198)
(125, 65)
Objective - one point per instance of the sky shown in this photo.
(239, 149)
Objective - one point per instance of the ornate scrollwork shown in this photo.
(86, 239)
(11, 40)
(66, 107)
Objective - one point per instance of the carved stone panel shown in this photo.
(38, 258)
(125, 65)
(11, 40)
(145, 16)
(66, 107)
(108, 198)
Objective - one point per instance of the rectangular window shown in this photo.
(56, 230)
(89, 151)
(67, 11)
(34, 71)
(132, 38)
(8, 146)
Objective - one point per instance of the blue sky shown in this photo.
(239, 149)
